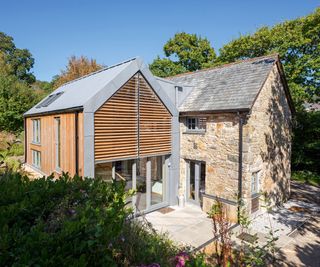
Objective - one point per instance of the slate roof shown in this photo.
(229, 87)
(77, 92)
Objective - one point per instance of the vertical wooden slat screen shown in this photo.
(116, 129)
(155, 122)
(132, 123)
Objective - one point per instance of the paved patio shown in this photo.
(188, 225)
(191, 226)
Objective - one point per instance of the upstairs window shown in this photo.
(36, 131)
(196, 124)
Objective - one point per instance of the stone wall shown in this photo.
(218, 148)
(266, 148)
(267, 141)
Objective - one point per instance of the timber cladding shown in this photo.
(132, 123)
(48, 141)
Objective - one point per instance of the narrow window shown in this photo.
(58, 143)
(36, 159)
(255, 183)
(36, 131)
(196, 124)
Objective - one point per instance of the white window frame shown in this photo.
(57, 122)
(196, 124)
(255, 183)
(36, 159)
(36, 130)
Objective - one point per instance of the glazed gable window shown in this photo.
(36, 130)
(196, 124)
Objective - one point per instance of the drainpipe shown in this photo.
(240, 163)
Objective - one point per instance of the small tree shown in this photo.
(221, 234)
(76, 68)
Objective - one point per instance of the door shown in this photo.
(196, 178)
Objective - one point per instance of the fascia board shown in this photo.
(95, 102)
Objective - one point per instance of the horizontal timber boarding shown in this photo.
(116, 124)
(155, 122)
(133, 110)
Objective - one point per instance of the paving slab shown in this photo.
(188, 226)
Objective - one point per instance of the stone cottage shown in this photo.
(220, 133)
(235, 134)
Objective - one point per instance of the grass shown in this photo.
(307, 177)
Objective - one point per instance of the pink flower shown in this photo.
(181, 259)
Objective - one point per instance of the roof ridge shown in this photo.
(98, 71)
(274, 55)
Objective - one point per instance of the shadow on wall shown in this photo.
(278, 142)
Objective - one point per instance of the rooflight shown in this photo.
(50, 99)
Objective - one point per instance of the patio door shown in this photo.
(196, 177)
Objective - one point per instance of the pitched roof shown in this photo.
(76, 93)
(229, 87)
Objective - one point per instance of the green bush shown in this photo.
(139, 244)
(66, 222)
(306, 177)
(306, 142)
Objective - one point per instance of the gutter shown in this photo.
(53, 112)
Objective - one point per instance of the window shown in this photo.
(196, 124)
(255, 183)
(58, 143)
(50, 99)
(36, 131)
(36, 159)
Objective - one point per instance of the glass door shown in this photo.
(196, 176)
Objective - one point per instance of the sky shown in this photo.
(113, 31)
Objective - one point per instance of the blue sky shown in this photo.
(112, 31)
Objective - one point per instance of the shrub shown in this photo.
(140, 245)
(66, 222)
(306, 177)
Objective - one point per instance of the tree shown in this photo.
(298, 44)
(19, 61)
(16, 97)
(184, 52)
(164, 67)
(76, 68)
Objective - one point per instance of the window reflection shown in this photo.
(157, 185)
(141, 198)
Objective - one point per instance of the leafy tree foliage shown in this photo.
(42, 86)
(164, 67)
(297, 42)
(184, 52)
(19, 61)
(76, 68)
(306, 142)
(16, 98)
(16, 94)
(65, 222)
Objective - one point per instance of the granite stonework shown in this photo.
(266, 149)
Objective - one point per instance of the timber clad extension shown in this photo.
(222, 132)
(48, 137)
